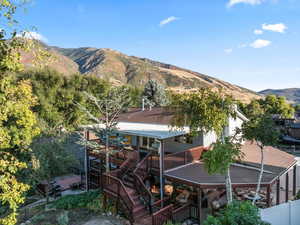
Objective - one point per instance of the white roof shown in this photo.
(158, 131)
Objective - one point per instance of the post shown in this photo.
(161, 170)
(199, 205)
(138, 143)
(278, 191)
(287, 187)
(269, 195)
(86, 160)
(295, 180)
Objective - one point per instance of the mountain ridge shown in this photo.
(119, 69)
(291, 94)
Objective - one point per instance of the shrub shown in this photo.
(237, 213)
(63, 218)
(84, 200)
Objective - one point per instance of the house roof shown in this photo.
(195, 174)
(275, 160)
(159, 131)
(157, 115)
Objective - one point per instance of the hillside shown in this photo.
(119, 68)
(291, 94)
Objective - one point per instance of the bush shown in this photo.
(63, 219)
(237, 213)
(88, 200)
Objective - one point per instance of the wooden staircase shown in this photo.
(126, 186)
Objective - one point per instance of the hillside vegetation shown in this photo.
(291, 94)
(120, 69)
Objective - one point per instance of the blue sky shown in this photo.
(252, 43)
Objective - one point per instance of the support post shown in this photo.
(161, 170)
(295, 180)
(86, 160)
(138, 143)
(278, 191)
(287, 187)
(199, 205)
(269, 195)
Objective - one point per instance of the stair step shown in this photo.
(144, 220)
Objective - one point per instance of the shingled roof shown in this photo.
(275, 160)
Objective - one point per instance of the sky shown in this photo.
(251, 43)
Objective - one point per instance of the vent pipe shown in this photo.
(143, 104)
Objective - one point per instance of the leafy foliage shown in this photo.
(204, 110)
(237, 213)
(57, 95)
(51, 157)
(155, 94)
(271, 104)
(84, 200)
(262, 130)
(17, 128)
(222, 155)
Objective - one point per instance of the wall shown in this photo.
(284, 214)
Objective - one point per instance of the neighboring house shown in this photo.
(157, 161)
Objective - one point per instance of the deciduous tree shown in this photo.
(207, 111)
(262, 131)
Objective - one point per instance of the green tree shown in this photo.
(51, 157)
(262, 131)
(115, 102)
(237, 213)
(207, 111)
(57, 93)
(220, 157)
(17, 128)
(154, 94)
(271, 104)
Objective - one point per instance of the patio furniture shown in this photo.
(183, 197)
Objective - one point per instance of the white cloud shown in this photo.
(279, 27)
(260, 43)
(33, 35)
(250, 2)
(258, 32)
(168, 20)
(228, 50)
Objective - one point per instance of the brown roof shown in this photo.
(275, 160)
(158, 115)
(196, 174)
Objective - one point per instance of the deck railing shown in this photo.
(163, 215)
(115, 187)
(140, 173)
(177, 159)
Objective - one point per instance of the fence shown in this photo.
(283, 214)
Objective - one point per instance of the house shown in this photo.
(157, 174)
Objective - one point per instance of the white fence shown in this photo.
(283, 214)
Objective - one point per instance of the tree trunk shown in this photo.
(260, 175)
(227, 176)
(107, 152)
(228, 186)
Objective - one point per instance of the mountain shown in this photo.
(291, 94)
(119, 69)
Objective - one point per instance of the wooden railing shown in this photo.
(163, 215)
(184, 212)
(114, 186)
(177, 159)
(140, 173)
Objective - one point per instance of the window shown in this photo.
(184, 139)
(147, 143)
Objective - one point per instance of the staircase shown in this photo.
(126, 185)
